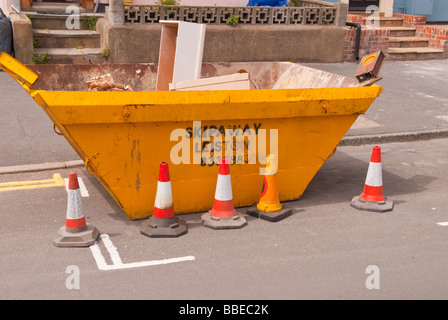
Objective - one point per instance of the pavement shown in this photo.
(325, 250)
(413, 104)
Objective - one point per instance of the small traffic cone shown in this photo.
(269, 207)
(76, 232)
(163, 222)
(372, 197)
(223, 214)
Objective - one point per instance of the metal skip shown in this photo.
(122, 136)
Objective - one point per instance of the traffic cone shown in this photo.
(223, 214)
(76, 232)
(269, 207)
(372, 197)
(163, 222)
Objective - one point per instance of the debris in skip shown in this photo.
(106, 83)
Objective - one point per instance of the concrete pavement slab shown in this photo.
(414, 98)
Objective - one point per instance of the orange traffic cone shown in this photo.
(223, 214)
(76, 232)
(372, 197)
(269, 207)
(163, 222)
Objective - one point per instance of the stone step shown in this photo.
(415, 53)
(72, 55)
(408, 42)
(363, 13)
(55, 7)
(62, 21)
(67, 38)
(386, 21)
(401, 31)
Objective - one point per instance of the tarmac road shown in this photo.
(322, 251)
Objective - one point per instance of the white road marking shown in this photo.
(445, 118)
(116, 260)
(443, 224)
(363, 123)
(82, 187)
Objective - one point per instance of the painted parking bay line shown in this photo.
(56, 181)
(82, 187)
(116, 260)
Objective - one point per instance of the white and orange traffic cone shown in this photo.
(372, 197)
(269, 207)
(223, 214)
(76, 232)
(163, 222)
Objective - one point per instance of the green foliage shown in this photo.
(89, 23)
(167, 2)
(41, 58)
(105, 53)
(36, 43)
(233, 21)
(295, 3)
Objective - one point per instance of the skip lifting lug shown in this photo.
(55, 131)
(87, 163)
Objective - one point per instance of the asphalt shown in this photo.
(322, 251)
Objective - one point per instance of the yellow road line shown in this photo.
(57, 181)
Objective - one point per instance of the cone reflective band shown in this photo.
(76, 232)
(373, 187)
(163, 222)
(163, 206)
(269, 207)
(223, 203)
(75, 218)
(372, 197)
(223, 214)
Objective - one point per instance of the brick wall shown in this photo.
(437, 35)
(411, 20)
(372, 40)
(355, 18)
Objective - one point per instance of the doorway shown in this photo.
(361, 5)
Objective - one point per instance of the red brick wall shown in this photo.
(376, 39)
(437, 35)
(411, 20)
(372, 40)
(355, 18)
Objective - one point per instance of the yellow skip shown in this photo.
(57, 181)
